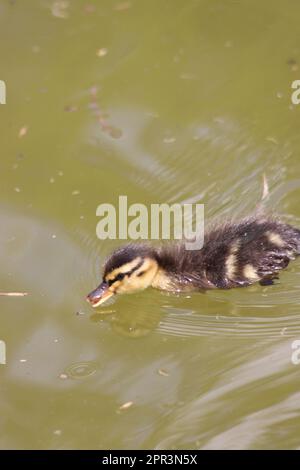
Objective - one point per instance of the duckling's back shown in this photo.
(233, 255)
(240, 254)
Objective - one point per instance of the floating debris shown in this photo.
(53, 236)
(75, 192)
(169, 140)
(60, 173)
(266, 191)
(113, 131)
(71, 108)
(89, 8)
(57, 432)
(163, 373)
(23, 360)
(94, 90)
(272, 139)
(126, 405)
(80, 312)
(59, 8)
(51, 180)
(23, 131)
(122, 6)
(102, 52)
(94, 105)
(63, 376)
(18, 190)
(293, 65)
(13, 294)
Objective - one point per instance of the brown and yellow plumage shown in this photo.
(233, 255)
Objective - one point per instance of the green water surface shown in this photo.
(162, 101)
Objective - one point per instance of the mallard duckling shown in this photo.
(233, 255)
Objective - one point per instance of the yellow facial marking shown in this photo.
(230, 263)
(139, 274)
(275, 239)
(250, 272)
(123, 269)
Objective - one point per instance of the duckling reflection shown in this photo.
(129, 321)
(235, 254)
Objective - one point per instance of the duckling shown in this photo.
(235, 254)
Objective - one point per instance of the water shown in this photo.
(162, 102)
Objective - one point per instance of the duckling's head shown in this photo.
(129, 269)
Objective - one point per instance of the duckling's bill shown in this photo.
(99, 295)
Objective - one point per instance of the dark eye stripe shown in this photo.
(121, 276)
(137, 267)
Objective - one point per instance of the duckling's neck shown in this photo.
(163, 280)
(177, 269)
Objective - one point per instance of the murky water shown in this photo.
(163, 102)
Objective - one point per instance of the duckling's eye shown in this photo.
(141, 273)
(119, 277)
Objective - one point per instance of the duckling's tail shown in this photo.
(291, 235)
(297, 236)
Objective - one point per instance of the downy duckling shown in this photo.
(233, 255)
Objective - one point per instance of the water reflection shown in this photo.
(129, 321)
